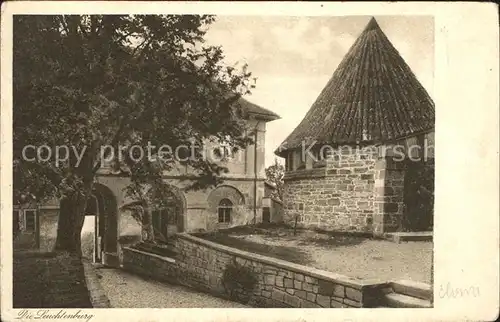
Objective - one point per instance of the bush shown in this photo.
(239, 281)
(88, 245)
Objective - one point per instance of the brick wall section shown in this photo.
(389, 195)
(338, 197)
(201, 264)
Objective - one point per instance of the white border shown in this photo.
(466, 96)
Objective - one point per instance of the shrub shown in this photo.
(239, 281)
(88, 245)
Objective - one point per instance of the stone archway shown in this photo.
(225, 192)
(226, 208)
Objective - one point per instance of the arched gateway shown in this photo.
(103, 206)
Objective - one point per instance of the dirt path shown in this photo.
(126, 290)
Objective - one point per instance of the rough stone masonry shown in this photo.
(339, 195)
(200, 264)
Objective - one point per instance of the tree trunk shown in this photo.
(70, 223)
(147, 224)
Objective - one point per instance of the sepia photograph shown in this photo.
(187, 160)
(324, 219)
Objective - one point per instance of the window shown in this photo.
(224, 210)
(30, 219)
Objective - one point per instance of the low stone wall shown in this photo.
(150, 265)
(96, 292)
(201, 264)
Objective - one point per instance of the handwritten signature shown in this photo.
(448, 291)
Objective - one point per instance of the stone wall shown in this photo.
(338, 196)
(201, 264)
(388, 195)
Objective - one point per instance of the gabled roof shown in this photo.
(257, 111)
(372, 97)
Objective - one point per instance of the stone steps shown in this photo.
(419, 290)
(407, 294)
(399, 237)
(397, 300)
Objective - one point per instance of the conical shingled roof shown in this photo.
(372, 97)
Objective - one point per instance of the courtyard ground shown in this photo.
(355, 256)
(126, 290)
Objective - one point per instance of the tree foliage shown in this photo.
(275, 174)
(118, 80)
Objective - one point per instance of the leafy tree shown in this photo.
(275, 174)
(116, 80)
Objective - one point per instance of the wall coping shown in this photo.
(163, 258)
(97, 294)
(314, 272)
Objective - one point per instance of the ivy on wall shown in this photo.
(239, 281)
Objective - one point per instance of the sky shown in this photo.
(294, 57)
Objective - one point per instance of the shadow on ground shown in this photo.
(286, 253)
(49, 280)
(282, 232)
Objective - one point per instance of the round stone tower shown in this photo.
(364, 151)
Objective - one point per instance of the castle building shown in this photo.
(362, 158)
(239, 200)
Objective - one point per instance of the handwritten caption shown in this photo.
(53, 315)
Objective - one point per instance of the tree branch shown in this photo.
(114, 141)
(63, 23)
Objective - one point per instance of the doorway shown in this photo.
(92, 232)
(418, 196)
(266, 215)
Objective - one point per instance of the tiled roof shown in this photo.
(257, 111)
(372, 97)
